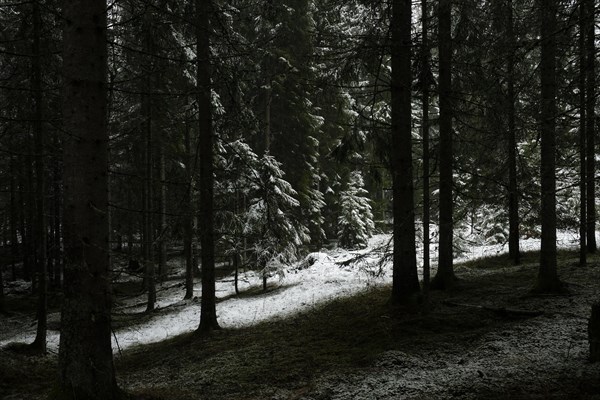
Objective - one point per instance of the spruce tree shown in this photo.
(355, 222)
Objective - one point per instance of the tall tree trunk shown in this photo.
(547, 280)
(582, 138)
(591, 125)
(56, 246)
(23, 223)
(162, 218)
(188, 231)
(2, 305)
(130, 225)
(445, 274)
(85, 354)
(425, 134)
(148, 219)
(14, 217)
(29, 253)
(39, 344)
(513, 187)
(268, 101)
(405, 279)
(208, 314)
(147, 106)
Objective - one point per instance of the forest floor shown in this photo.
(459, 344)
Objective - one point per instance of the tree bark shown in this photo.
(582, 138)
(2, 303)
(405, 282)
(445, 274)
(591, 125)
(14, 215)
(513, 186)
(188, 231)
(29, 219)
(39, 344)
(85, 354)
(425, 133)
(147, 109)
(208, 314)
(162, 218)
(547, 280)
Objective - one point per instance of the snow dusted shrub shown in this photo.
(355, 223)
(275, 233)
(259, 210)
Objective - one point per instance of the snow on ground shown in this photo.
(303, 286)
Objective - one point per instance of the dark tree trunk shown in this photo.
(591, 125)
(405, 279)
(2, 305)
(547, 280)
(208, 316)
(582, 139)
(129, 227)
(445, 274)
(14, 217)
(188, 231)
(425, 132)
(85, 354)
(236, 275)
(147, 109)
(39, 344)
(268, 102)
(56, 246)
(23, 229)
(513, 187)
(29, 220)
(162, 218)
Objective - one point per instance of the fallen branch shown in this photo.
(501, 311)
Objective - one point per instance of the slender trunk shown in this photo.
(513, 187)
(208, 313)
(129, 227)
(591, 126)
(40, 219)
(2, 305)
(149, 231)
(14, 216)
(147, 101)
(582, 139)
(405, 279)
(188, 231)
(236, 266)
(29, 253)
(236, 255)
(547, 276)
(23, 227)
(268, 101)
(56, 253)
(162, 218)
(425, 134)
(445, 273)
(86, 369)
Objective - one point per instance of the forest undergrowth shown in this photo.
(470, 342)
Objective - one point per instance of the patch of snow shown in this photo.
(306, 284)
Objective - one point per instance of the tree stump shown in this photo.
(594, 333)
